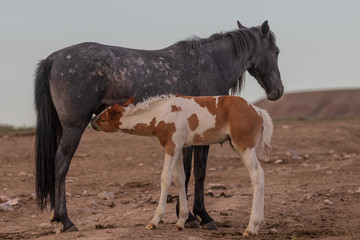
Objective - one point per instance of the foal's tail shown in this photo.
(263, 146)
(48, 129)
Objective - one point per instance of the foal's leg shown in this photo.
(200, 161)
(166, 176)
(191, 222)
(179, 180)
(257, 179)
(67, 146)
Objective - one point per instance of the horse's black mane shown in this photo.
(245, 38)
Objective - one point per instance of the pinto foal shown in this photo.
(181, 121)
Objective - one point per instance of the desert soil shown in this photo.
(312, 187)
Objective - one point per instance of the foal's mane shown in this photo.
(146, 104)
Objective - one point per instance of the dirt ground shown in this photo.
(312, 187)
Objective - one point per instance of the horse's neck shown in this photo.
(232, 65)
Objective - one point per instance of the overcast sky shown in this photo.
(319, 40)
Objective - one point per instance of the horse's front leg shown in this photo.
(200, 161)
(191, 222)
(166, 176)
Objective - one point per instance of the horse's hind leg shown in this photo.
(166, 176)
(67, 146)
(257, 179)
(191, 222)
(179, 180)
(200, 161)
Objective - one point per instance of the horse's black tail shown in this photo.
(47, 132)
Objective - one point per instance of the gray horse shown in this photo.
(74, 83)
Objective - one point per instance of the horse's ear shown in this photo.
(240, 26)
(128, 102)
(265, 29)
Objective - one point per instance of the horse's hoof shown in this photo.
(192, 224)
(248, 233)
(73, 228)
(209, 226)
(150, 226)
(177, 228)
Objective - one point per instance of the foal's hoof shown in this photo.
(177, 228)
(209, 226)
(248, 233)
(192, 224)
(150, 226)
(73, 228)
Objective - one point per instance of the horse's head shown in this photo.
(264, 63)
(109, 119)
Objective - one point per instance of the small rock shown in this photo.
(94, 203)
(4, 198)
(128, 158)
(30, 175)
(350, 191)
(306, 156)
(82, 155)
(23, 174)
(69, 181)
(85, 193)
(226, 195)
(33, 196)
(46, 225)
(68, 194)
(274, 231)
(283, 202)
(210, 193)
(217, 186)
(285, 126)
(211, 169)
(278, 161)
(357, 190)
(6, 207)
(224, 214)
(147, 209)
(141, 164)
(14, 201)
(327, 201)
(106, 195)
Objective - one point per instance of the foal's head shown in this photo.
(109, 119)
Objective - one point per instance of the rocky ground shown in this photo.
(312, 187)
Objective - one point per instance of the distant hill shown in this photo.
(317, 104)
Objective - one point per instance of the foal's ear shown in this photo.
(116, 108)
(128, 102)
(240, 26)
(265, 29)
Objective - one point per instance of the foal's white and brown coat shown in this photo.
(181, 121)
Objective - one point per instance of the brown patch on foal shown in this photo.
(244, 122)
(193, 121)
(163, 131)
(208, 102)
(175, 108)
